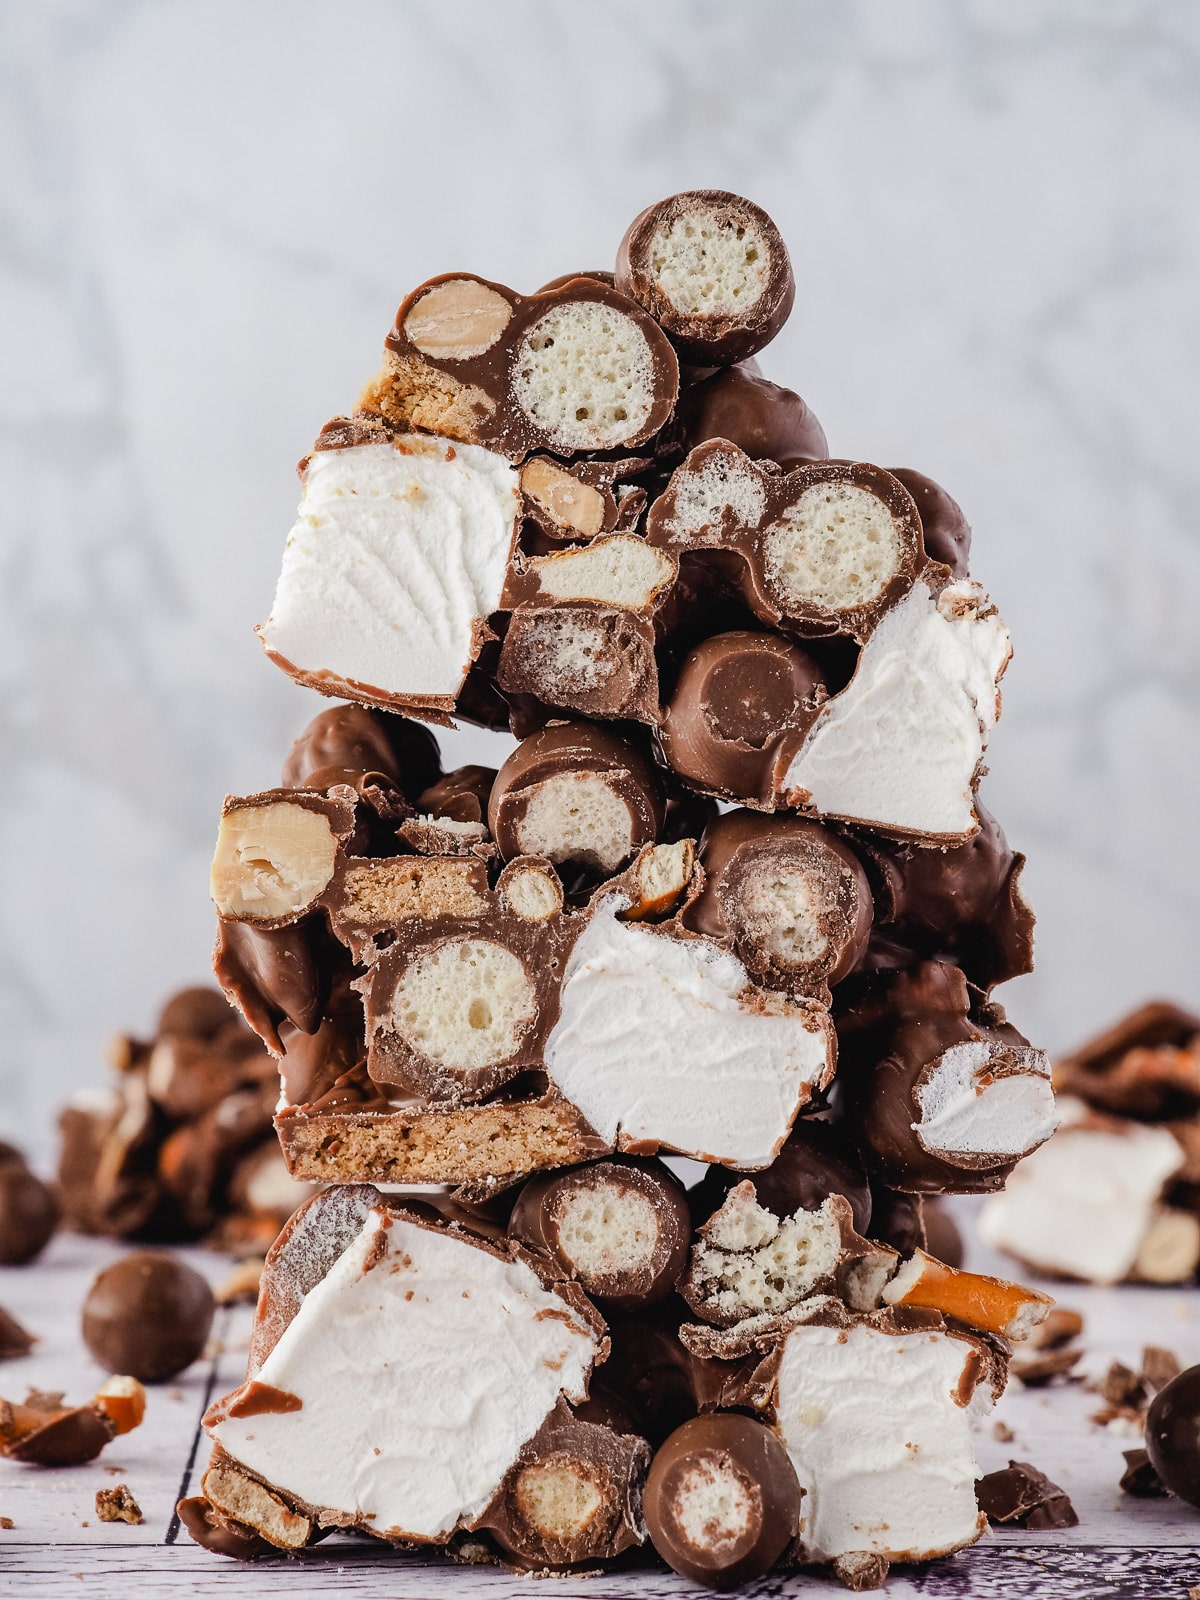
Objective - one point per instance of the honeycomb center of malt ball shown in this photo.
(748, 699)
(464, 1004)
(709, 266)
(603, 1229)
(838, 547)
(569, 654)
(577, 817)
(585, 374)
(457, 320)
(702, 497)
(783, 909)
(271, 860)
(557, 1497)
(716, 1504)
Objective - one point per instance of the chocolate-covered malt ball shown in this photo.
(1173, 1435)
(762, 418)
(620, 1227)
(198, 1013)
(947, 533)
(348, 741)
(148, 1315)
(29, 1213)
(722, 1500)
(742, 705)
(712, 270)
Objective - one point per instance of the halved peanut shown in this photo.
(272, 861)
(576, 507)
(457, 319)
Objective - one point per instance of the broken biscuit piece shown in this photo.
(578, 368)
(711, 268)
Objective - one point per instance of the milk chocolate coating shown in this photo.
(575, 749)
(1173, 1435)
(460, 795)
(651, 1369)
(943, 1240)
(961, 902)
(597, 275)
(220, 1534)
(274, 975)
(199, 1013)
(351, 741)
(312, 1063)
(741, 708)
(888, 1043)
(542, 1204)
(15, 1341)
(69, 1437)
(816, 1160)
(1147, 1066)
(148, 1315)
(947, 532)
(762, 418)
(708, 338)
(612, 672)
(29, 1214)
(1021, 1495)
(746, 856)
(744, 1538)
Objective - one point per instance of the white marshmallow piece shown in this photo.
(1084, 1202)
(900, 746)
(398, 555)
(423, 1364)
(664, 1041)
(967, 1109)
(879, 1440)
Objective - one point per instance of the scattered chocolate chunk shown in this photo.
(1122, 1387)
(860, 1570)
(712, 270)
(15, 1341)
(1139, 1478)
(722, 1500)
(117, 1505)
(1173, 1435)
(45, 1433)
(29, 1214)
(619, 1227)
(1159, 1367)
(1043, 1367)
(1002, 1433)
(148, 1315)
(1059, 1328)
(221, 1534)
(1020, 1494)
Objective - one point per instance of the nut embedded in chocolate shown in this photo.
(577, 368)
(619, 1227)
(741, 708)
(762, 418)
(148, 1315)
(276, 854)
(118, 1505)
(722, 1500)
(713, 271)
(791, 897)
(29, 1214)
(577, 795)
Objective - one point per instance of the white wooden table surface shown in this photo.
(57, 1546)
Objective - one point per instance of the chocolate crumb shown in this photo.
(1002, 1433)
(7, 1522)
(1139, 1478)
(15, 1341)
(117, 1505)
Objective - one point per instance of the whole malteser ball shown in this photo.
(29, 1212)
(198, 1012)
(1173, 1435)
(148, 1315)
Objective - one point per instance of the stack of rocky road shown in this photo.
(732, 897)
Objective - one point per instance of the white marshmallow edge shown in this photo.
(880, 1440)
(900, 746)
(664, 1041)
(967, 1107)
(420, 1376)
(398, 553)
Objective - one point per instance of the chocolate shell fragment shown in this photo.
(712, 270)
(722, 1500)
(43, 1432)
(1021, 1495)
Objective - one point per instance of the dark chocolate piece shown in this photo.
(824, 549)
(45, 1433)
(353, 741)
(712, 269)
(221, 1534)
(741, 708)
(722, 1500)
(459, 796)
(962, 903)
(574, 1495)
(762, 418)
(577, 795)
(788, 894)
(897, 1219)
(619, 1227)
(816, 1161)
(15, 1341)
(1147, 1066)
(1139, 1478)
(651, 1369)
(1020, 1494)
(946, 1100)
(578, 368)
(1173, 1435)
(29, 1214)
(148, 1315)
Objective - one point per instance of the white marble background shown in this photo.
(211, 209)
